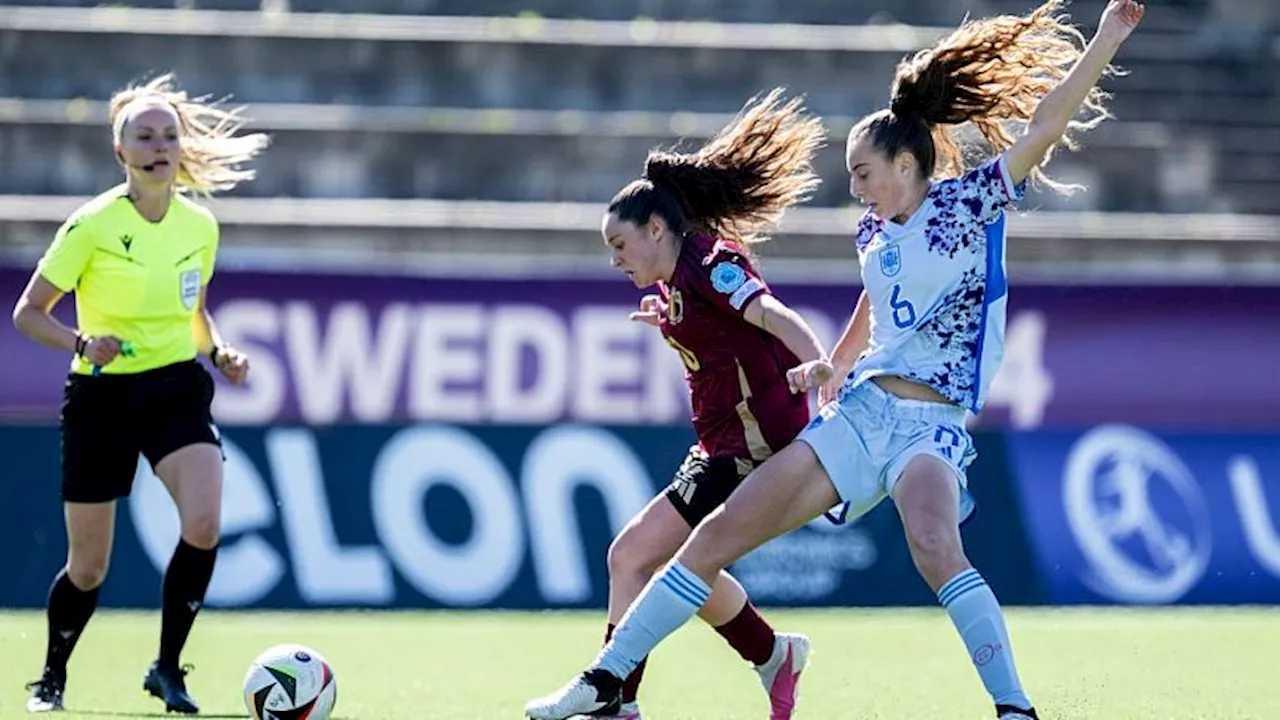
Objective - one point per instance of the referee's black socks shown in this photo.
(185, 583)
(69, 611)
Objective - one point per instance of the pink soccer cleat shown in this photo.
(781, 675)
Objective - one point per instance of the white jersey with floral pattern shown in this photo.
(938, 287)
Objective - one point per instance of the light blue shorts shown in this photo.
(865, 439)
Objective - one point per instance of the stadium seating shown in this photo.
(448, 100)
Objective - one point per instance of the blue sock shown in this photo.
(976, 614)
(668, 601)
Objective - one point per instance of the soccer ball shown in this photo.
(290, 682)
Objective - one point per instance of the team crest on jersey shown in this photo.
(675, 308)
(189, 286)
(727, 277)
(890, 260)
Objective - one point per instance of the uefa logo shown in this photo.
(1138, 516)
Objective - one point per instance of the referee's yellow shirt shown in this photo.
(137, 280)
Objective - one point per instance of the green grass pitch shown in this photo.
(1078, 664)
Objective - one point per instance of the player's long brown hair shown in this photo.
(989, 72)
(739, 185)
(212, 150)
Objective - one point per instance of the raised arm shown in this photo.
(1057, 108)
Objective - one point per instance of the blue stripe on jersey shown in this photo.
(997, 283)
(997, 287)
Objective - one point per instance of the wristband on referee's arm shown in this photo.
(82, 343)
(213, 355)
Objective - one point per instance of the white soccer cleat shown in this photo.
(781, 675)
(628, 711)
(594, 693)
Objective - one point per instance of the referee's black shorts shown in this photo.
(108, 420)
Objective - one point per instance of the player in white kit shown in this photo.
(922, 346)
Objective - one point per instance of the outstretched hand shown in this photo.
(650, 312)
(1120, 18)
(808, 375)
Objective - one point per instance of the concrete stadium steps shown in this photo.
(826, 12)
(1163, 16)
(850, 77)
(453, 74)
(525, 238)
(1251, 167)
(1261, 112)
(321, 151)
(469, 62)
(146, 4)
(1252, 197)
(1183, 15)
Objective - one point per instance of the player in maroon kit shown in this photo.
(687, 226)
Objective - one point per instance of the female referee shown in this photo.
(923, 342)
(139, 258)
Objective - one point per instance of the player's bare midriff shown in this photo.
(909, 389)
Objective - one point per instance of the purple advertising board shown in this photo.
(1119, 514)
(350, 348)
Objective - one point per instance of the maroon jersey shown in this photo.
(742, 407)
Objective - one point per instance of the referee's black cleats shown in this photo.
(46, 694)
(170, 686)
